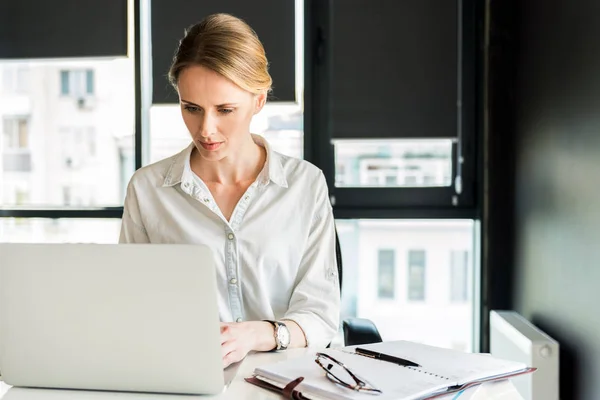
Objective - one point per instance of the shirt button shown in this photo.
(246, 198)
(206, 199)
(233, 281)
(230, 236)
(239, 319)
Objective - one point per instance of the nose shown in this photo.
(207, 126)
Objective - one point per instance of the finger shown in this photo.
(231, 358)
(227, 348)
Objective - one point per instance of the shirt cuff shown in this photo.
(317, 332)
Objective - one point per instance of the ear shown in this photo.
(260, 101)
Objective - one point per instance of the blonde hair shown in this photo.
(228, 46)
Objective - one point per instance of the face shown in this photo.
(216, 111)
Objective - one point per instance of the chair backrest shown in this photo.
(338, 256)
(356, 330)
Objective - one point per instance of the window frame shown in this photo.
(140, 129)
(396, 202)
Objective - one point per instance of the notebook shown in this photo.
(442, 371)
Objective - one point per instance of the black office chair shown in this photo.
(356, 330)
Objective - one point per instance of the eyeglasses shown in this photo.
(338, 373)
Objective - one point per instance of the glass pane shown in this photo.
(428, 245)
(280, 124)
(66, 230)
(67, 126)
(393, 162)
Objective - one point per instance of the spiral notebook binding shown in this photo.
(416, 369)
(427, 373)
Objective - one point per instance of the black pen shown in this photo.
(385, 357)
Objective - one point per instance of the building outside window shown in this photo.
(15, 132)
(416, 275)
(386, 274)
(77, 83)
(16, 156)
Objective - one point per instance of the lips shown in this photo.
(211, 146)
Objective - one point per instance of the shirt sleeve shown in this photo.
(132, 229)
(315, 301)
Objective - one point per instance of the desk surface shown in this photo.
(238, 389)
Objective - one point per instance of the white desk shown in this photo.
(238, 389)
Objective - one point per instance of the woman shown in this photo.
(266, 216)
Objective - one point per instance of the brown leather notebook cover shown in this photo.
(288, 392)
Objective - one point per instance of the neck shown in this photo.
(241, 165)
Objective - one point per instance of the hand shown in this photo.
(239, 338)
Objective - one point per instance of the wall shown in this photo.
(557, 182)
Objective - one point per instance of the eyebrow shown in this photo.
(218, 106)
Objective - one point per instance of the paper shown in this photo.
(441, 368)
(384, 376)
(458, 366)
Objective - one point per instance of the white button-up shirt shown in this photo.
(275, 258)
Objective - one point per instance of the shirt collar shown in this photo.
(272, 171)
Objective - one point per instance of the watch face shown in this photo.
(283, 334)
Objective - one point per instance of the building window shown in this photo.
(77, 83)
(89, 81)
(64, 83)
(386, 274)
(16, 133)
(16, 156)
(416, 275)
(458, 276)
(15, 79)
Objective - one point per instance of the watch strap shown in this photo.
(276, 325)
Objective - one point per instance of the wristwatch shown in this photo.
(282, 335)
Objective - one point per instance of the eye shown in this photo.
(191, 109)
(226, 110)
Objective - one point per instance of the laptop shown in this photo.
(132, 317)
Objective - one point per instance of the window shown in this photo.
(459, 276)
(61, 230)
(386, 274)
(15, 79)
(393, 163)
(65, 86)
(416, 275)
(369, 244)
(77, 83)
(89, 82)
(16, 133)
(397, 144)
(52, 138)
(16, 156)
(389, 148)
